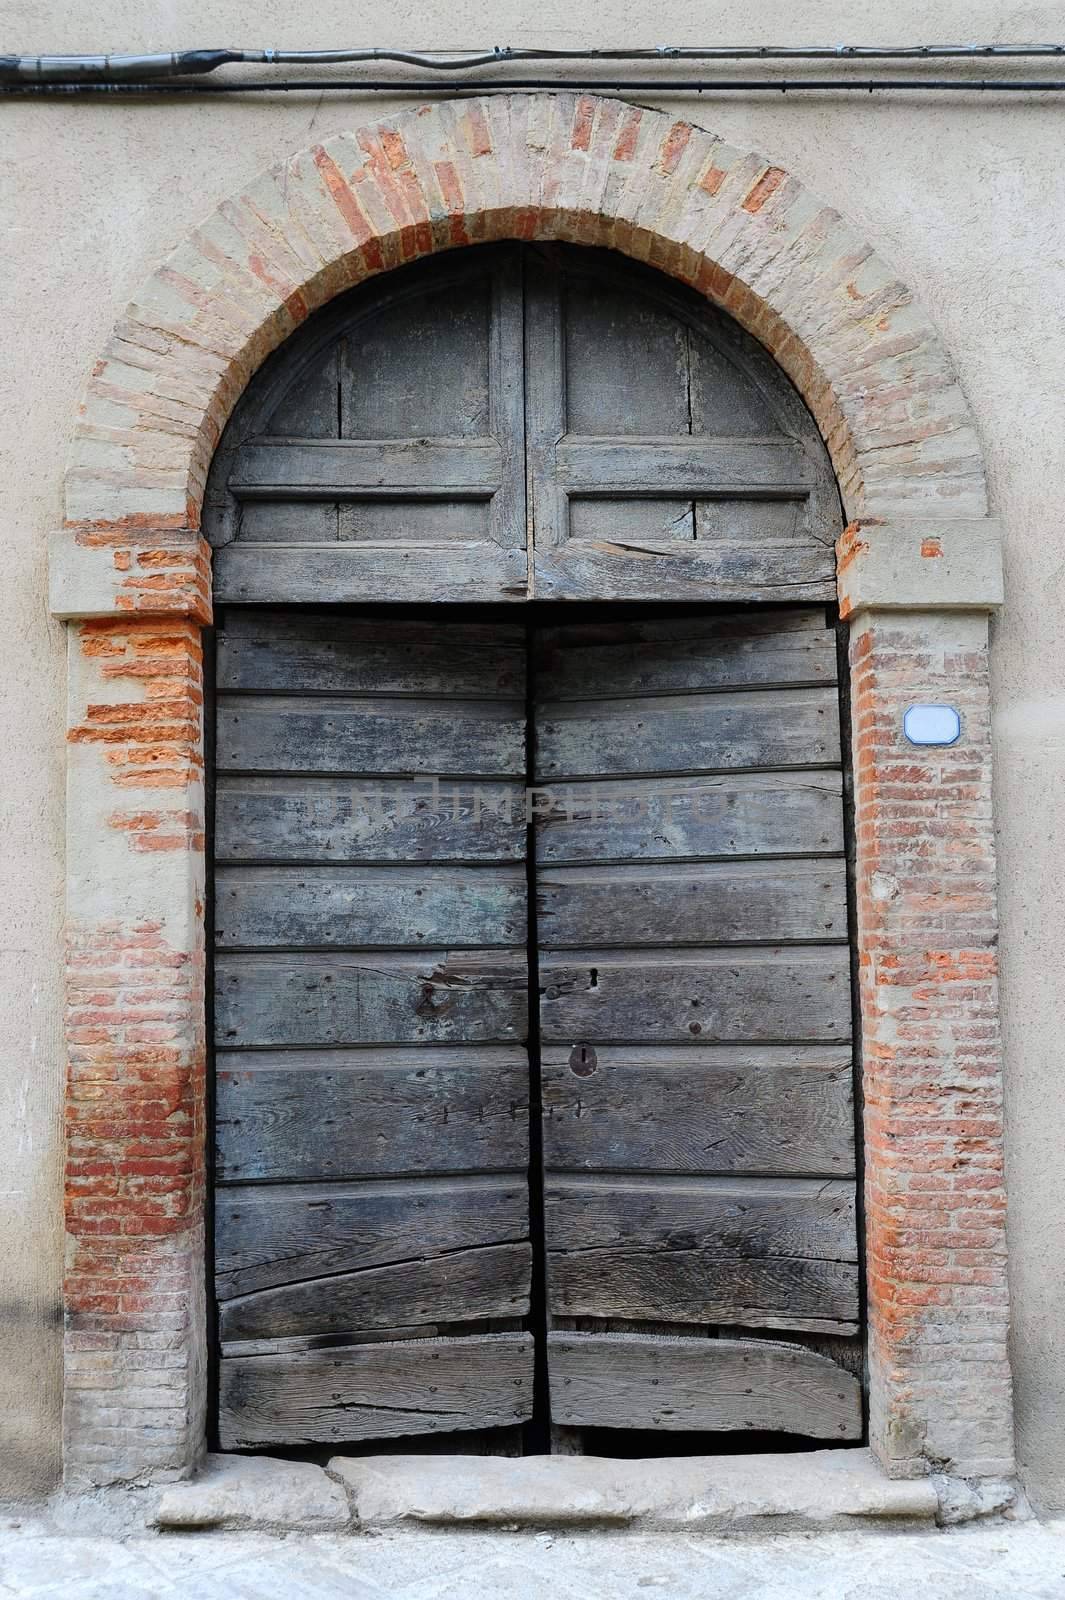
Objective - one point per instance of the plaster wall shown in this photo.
(962, 194)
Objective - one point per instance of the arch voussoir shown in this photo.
(577, 167)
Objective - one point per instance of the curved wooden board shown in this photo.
(719, 1385)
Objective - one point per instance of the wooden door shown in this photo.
(372, 1264)
(514, 424)
(695, 1025)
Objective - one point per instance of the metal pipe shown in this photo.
(650, 86)
(113, 68)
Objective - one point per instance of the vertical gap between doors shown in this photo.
(536, 1437)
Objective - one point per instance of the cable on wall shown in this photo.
(155, 73)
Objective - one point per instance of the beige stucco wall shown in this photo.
(964, 196)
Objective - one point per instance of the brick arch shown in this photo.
(130, 568)
(745, 233)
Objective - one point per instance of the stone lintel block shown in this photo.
(931, 563)
(139, 572)
(820, 1489)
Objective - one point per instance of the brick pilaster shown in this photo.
(935, 1199)
(136, 1060)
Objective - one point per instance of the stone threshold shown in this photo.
(819, 1490)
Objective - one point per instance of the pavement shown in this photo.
(979, 1561)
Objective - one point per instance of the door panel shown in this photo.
(693, 903)
(668, 459)
(694, 972)
(376, 1391)
(713, 1385)
(372, 1081)
(641, 1108)
(770, 1253)
(380, 454)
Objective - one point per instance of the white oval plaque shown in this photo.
(929, 724)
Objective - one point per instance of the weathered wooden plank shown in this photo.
(292, 734)
(725, 396)
(384, 1391)
(466, 1285)
(361, 467)
(308, 408)
(767, 995)
(681, 734)
(354, 573)
(664, 655)
(441, 996)
(293, 522)
(741, 1218)
(639, 1381)
(747, 523)
(697, 465)
(706, 903)
(677, 819)
(763, 1254)
(744, 1109)
(423, 522)
(696, 1287)
(631, 521)
(280, 1233)
(297, 1115)
(611, 335)
(308, 818)
(342, 654)
(718, 573)
(423, 906)
(418, 367)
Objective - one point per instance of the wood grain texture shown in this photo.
(620, 568)
(667, 655)
(703, 1251)
(358, 573)
(310, 818)
(744, 1109)
(686, 466)
(341, 654)
(369, 997)
(634, 1381)
(420, 365)
(691, 818)
(278, 1234)
(375, 1391)
(745, 1218)
(670, 997)
(702, 904)
(292, 1115)
(372, 736)
(610, 334)
(631, 521)
(687, 734)
(305, 404)
(283, 470)
(465, 1285)
(416, 907)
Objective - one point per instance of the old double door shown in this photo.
(630, 1206)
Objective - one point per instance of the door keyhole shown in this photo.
(583, 1060)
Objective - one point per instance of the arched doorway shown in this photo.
(629, 1207)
